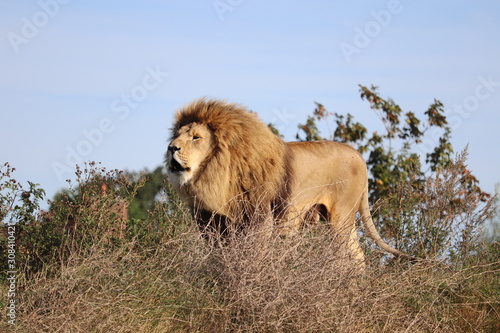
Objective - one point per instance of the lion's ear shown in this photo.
(226, 133)
(229, 139)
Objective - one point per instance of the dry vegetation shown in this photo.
(293, 285)
(162, 276)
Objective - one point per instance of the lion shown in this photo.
(233, 171)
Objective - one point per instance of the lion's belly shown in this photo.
(309, 193)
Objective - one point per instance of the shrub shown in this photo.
(439, 217)
(19, 212)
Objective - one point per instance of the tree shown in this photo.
(148, 193)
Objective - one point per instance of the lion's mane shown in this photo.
(247, 166)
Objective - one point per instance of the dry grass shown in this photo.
(293, 285)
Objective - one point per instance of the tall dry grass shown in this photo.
(297, 285)
(163, 276)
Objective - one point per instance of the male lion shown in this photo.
(234, 172)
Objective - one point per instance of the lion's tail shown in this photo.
(364, 210)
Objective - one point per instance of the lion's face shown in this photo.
(187, 151)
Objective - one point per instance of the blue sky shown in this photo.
(100, 80)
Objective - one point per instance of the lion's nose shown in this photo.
(173, 149)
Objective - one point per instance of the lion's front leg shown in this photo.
(288, 223)
(262, 220)
(213, 227)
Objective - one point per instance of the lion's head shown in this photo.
(223, 159)
(190, 147)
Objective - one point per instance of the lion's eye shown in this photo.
(195, 137)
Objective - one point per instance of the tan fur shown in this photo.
(224, 161)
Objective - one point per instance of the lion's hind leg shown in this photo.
(344, 226)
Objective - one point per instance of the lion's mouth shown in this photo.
(176, 166)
